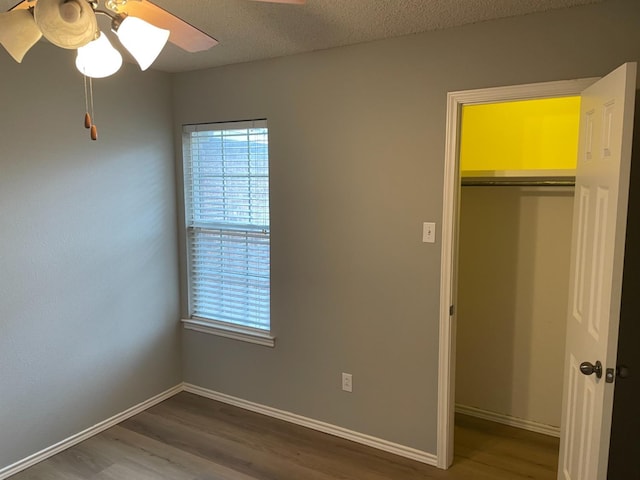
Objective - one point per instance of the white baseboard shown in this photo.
(378, 443)
(37, 457)
(509, 420)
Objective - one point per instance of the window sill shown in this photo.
(244, 334)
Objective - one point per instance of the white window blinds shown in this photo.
(227, 214)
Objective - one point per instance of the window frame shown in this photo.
(227, 329)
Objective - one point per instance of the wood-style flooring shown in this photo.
(192, 438)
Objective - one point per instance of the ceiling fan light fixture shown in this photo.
(143, 40)
(67, 24)
(98, 59)
(18, 33)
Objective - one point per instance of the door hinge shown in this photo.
(452, 310)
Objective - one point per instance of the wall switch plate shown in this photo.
(429, 232)
(347, 382)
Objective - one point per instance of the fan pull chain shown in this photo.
(88, 102)
(94, 129)
(87, 117)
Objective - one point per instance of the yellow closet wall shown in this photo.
(524, 135)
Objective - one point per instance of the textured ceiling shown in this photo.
(250, 30)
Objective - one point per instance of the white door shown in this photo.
(597, 253)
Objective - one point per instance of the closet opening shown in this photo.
(596, 264)
(517, 173)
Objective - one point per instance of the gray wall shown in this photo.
(357, 144)
(88, 263)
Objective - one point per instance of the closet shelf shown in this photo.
(523, 178)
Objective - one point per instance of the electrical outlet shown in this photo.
(347, 382)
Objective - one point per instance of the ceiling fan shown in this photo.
(72, 24)
(142, 27)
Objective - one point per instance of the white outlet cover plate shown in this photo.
(347, 382)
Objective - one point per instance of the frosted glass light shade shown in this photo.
(143, 40)
(18, 33)
(98, 59)
(67, 24)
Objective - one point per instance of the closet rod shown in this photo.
(518, 182)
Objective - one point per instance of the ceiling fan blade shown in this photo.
(183, 34)
(292, 2)
(24, 5)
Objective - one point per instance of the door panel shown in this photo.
(599, 221)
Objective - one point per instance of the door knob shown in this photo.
(588, 368)
(622, 371)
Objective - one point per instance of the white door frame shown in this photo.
(450, 219)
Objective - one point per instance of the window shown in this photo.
(227, 221)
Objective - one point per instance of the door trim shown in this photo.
(449, 252)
